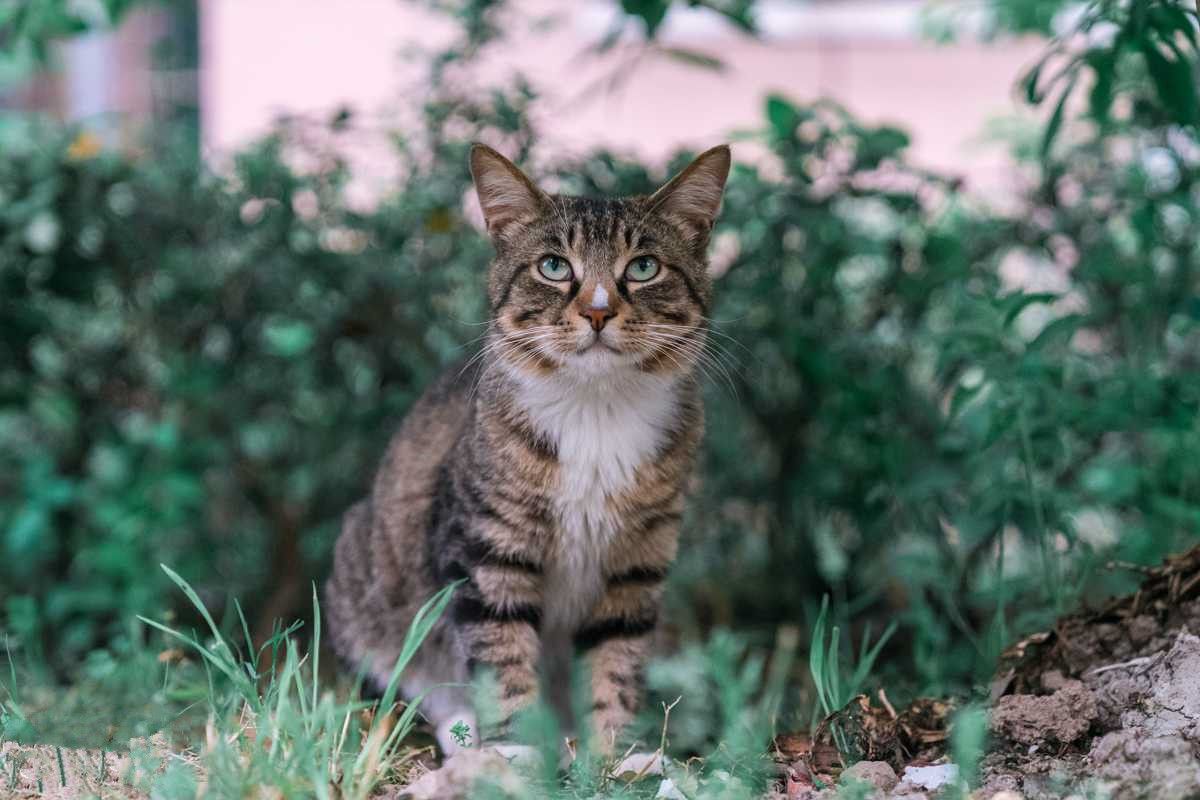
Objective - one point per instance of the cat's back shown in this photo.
(409, 472)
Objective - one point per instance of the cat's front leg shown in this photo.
(498, 611)
(615, 641)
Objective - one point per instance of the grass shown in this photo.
(238, 720)
(269, 722)
(833, 688)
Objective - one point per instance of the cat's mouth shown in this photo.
(597, 345)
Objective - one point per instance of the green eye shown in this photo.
(642, 268)
(554, 268)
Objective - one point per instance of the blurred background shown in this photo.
(956, 345)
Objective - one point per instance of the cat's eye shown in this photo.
(554, 268)
(642, 268)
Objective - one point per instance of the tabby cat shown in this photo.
(548, 474)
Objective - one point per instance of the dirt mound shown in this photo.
(1107, 704)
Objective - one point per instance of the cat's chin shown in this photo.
(596, 361)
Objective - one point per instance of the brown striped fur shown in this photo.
(548, 474)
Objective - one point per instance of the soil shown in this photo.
(1107, 704)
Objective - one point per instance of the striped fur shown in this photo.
(548, 474)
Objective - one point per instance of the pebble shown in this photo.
(932, 778)
(875, 773)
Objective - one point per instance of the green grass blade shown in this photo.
(316, 645)
(229, 671)
(422, 623)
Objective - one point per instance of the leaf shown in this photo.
(1057, 332)
(1171, 20)
(288, 337)
(879, 144)
(783, 116)
(1103, 63)
(1015, 303)
(1174, 82)
(694, 58)
(1029, 83)
(1056, 118)
(651, 12)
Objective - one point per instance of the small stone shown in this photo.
(1053, 680)
(1142, 629)
(1060, 718)
(932, 778)
(875, 773)
(667, 790)
(909, 791)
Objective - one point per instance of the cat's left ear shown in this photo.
(506, 195)
(693, 197)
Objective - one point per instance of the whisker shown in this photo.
(705, 362)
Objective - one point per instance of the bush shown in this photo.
(201, 369)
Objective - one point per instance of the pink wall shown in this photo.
(260, 58)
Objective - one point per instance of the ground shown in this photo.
(1107, 704)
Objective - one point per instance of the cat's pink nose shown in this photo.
(599, 317)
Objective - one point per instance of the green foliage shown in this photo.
(833, 687)
(202, 370)
(940, 414)
(1121, 49)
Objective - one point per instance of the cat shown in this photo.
(548, 474)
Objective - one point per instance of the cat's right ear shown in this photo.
(508, 198)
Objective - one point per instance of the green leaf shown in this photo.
(1015, 303)
(1057, 332)
(1030, 83)
(783, 116)
(879, 144)
(1174, 81)
(650, 12)
(694, 58)
(1056, 118)
(288, 338)
(1100, 97)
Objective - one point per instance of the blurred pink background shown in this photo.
(259, 59)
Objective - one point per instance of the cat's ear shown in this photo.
(693, 197)
(506, 195)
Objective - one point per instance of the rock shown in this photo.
(667, 790)
(1053, 680)
(1060, 718)
(1136, 765)
(1173, 705)
(931, 778)
(1007, 795)
(874, 773)
(1142, 629)
(457, 777)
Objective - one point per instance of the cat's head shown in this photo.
(587, 287)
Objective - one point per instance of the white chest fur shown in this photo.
(603, 432)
